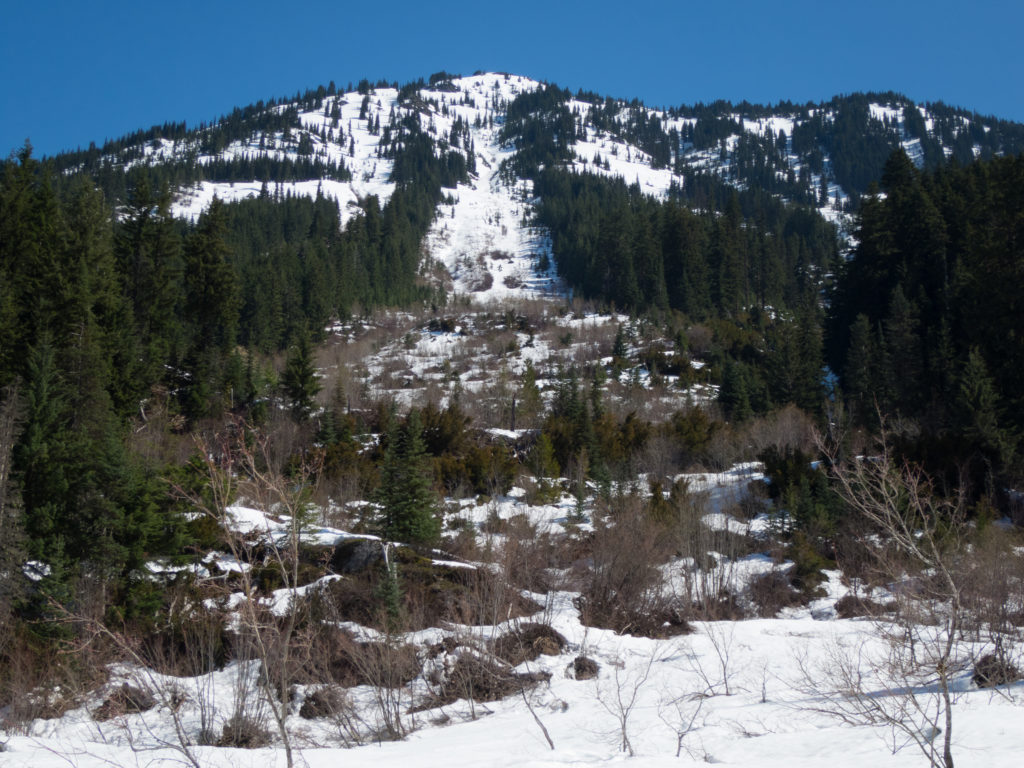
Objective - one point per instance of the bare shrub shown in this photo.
(706, 555)
(920, 542)
(353, 663)
(787, 428)
(721, 636)
(528, 641)
(480, 679)
(583, 668)
(481, 280)
(679, 711)
(325, 701)
(264, 639)
(994, 669)
(624, 590)
(771, 592)
(244, 732)
(620, 694)
(660, 457)
(125, 700)
(855, 606)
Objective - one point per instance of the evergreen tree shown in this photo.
(735, 392)
(408, 503)
(987, 446)
(299, 380)
(211, 311)
(861, 371)
(148, 250)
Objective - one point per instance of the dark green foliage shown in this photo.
(734, 394)
(389, 592)
(408, 502)
(13, 584)
(617, 245)
(801, 491)
(299, 379)
(917, 325)
(148, 252)
(793, 361)
(89, 508)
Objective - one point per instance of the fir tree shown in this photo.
(299, 380)
(408, 503)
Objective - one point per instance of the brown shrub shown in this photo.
(723, 606)
(126, 700)
(431, 594)
(624, 588)
(854, 606)
(582, 668)
(771, 592)
(482, 679)
(527, 642)
(244, 732)
(350, 663)
(994, 669)
(323, 702)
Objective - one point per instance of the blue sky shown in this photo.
(75, 72)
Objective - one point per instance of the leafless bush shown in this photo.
(528, 641)
(717, 680)
(619, 694)
(921, 544)
(679, 711)
(264, 638)
(481, 280)
(788, 427)
(244, 732)
(125, 700)
(583, 668)
(625, 588)
(479, 679)
(994, 669)
(771, 592)
(322, 702)
(660, 457)
(706, 557)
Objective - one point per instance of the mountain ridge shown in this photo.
(699, 131)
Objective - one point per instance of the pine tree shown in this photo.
(12, 540)
(299, 380)
(211, 312)
(860, 374)
(408, 503)
(735, 392)
(977, 416)
(148, 253)
(530, 404)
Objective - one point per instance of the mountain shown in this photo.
(344, 145)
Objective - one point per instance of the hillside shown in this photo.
(477, 422)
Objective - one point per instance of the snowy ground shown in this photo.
(730, 693)
(764, 720)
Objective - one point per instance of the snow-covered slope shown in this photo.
(745, 693)
(484, 237)
(483, 233)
